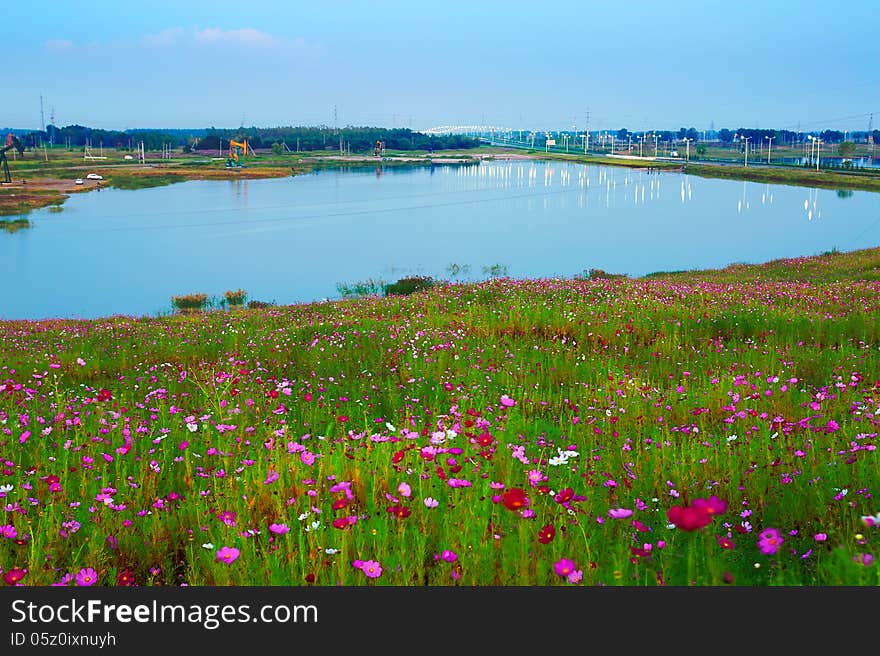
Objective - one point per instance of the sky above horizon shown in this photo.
(779, 64)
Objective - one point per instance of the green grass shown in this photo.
(140, 446)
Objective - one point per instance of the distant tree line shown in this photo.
(79, 135)
(355, 139)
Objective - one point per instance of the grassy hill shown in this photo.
(691, 428)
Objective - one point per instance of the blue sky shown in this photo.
(640, 65)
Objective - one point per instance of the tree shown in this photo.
(725, 135)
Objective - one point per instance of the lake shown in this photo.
(295, 239)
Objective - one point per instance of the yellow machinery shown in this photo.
(237, 152)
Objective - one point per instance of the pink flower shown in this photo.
(820, 537)
(449, 556)
(507, 402)
(575, 576)
(371, 569)
(431, 502)
(620, 513)
(8, 531)
(404, 489)
(769, 541)
(564, 567)
(86, 577)
(227, 554)
(279, 529)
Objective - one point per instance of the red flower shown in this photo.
(339, 504)
(689, 518)
(399, 511)
(14, 575)
(485, 439)
(125, 578)
(104, 395)
(514, 499)
(546, 534)
(398, 456)
(564, 495)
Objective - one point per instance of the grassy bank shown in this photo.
(693, 429)
(790, 175)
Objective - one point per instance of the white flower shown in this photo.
(313, 526)
(207, 545)
(193, 427)
(331, 551)
(303, 516)
(6, 488)
(390, 427)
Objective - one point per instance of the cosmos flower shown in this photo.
(564, 567)
(227, 555)
(769, 541)
(514, 499)
(86, 577)
(546, 534)
(371, 569)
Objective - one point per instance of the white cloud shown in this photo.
(247, 36)
(166, 37)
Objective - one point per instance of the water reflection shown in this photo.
(293, 239)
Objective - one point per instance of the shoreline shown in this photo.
(35, 188)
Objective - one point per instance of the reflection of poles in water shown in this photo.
(379, 171)
(742, 203)
(811, 206)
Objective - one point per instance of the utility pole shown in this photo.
(42, 116)
(587, 133)
(769, 145)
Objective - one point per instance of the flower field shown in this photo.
(683, 429)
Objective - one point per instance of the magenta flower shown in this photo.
(620, 513)
(371, 568)
(449, 556)
(227, 517)
(227, 554)
(564, 567)
(8, 531)
(279, 529)
(86, 577)
(507, 402)
(769, 541)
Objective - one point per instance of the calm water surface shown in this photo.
(295, 239)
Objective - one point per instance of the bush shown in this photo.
(361, 288)
(189, 302)
(599, 274)
(259, 305)
(235, 298)
(409, 285)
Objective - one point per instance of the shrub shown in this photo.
(495, 270)
(409, 285)
(598, 274)
(361, 288)
(259, 305)
(189, 302)
(235, 298)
